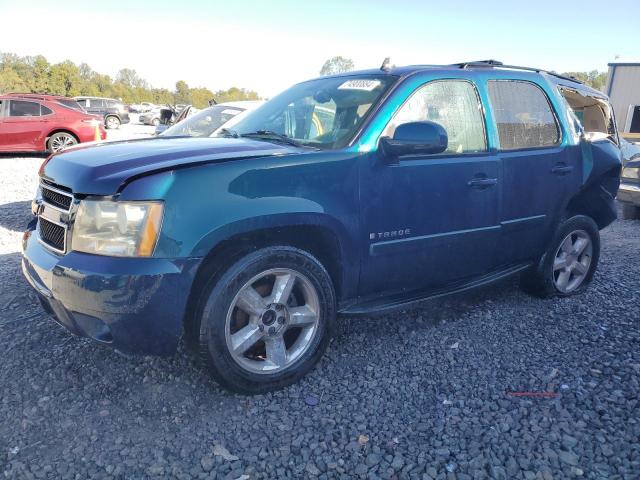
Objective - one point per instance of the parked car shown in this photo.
(142, 107)
(205, 122)
(354, 193)
(151, 117)
(113, 111)
(39, 123)
(629, 193)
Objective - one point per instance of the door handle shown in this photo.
(562, 169)
(482, 182)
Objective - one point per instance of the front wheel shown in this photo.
(267, 320)
(568, 265)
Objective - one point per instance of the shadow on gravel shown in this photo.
(15, 215)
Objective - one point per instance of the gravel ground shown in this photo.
(418, 394)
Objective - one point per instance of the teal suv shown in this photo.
(347, 194)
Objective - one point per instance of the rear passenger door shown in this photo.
(540, 172)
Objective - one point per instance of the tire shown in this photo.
(112, 122)
(155, 122)
(568, 265)
(279, 335)
(630, 212)
(59, 141)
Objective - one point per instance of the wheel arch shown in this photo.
(319, 240)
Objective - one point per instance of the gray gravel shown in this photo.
(418, 394)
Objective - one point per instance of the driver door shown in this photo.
(432, 220)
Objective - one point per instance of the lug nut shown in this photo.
(279, 306)
(281, 320)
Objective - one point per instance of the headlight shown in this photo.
(631, 172)
(123, 229)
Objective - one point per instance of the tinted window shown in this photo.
(97, 103)
(72, 104)
(451, 103)
(45, 110)
(19, 108)
(523, 115)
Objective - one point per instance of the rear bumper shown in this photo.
(629, 193)
(135, 305)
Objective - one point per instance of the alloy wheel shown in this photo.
(60, 141)
(572, 261)
(272, 321)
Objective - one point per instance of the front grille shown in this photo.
(56, 197)
(52, 234)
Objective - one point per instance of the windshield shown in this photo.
(323, 113)
(203, 123)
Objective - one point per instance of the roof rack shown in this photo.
(497, 64)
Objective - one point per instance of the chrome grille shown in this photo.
(56, 197)
(52, 234)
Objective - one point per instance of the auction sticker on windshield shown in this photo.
(367, 85)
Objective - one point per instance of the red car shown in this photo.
(39, 123)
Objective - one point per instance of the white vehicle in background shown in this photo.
(207, 121)
(142, 107)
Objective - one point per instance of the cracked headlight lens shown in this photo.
(123, 229)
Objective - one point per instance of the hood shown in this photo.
(102, 169)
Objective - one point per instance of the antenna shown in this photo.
(386, 65)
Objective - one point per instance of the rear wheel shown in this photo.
(568, 265)
(267, 320)
(630, 212)
(112, 122)
(59, 141)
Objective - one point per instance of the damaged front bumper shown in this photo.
(135, 305)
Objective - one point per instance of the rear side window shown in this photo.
(45, 110)
(523, 115)
(19, 108)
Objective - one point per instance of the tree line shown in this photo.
(34, 74)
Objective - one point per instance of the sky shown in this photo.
(268, 45)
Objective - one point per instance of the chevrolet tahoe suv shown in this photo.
(348, 194)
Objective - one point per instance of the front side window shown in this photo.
(455, 105)
(325, 113)
(19, 108)
(523, 115)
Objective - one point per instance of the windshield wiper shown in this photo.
(227, 132)
(271, 135)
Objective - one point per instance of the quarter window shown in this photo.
(455, 105)
(19, 108)
(45, 110)
(523, 115)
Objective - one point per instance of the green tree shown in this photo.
(235, 94)
(594, 78)
(183, 93)
(65, 79)
(10, 81)
(336, 65)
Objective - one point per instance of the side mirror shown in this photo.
(416, 138)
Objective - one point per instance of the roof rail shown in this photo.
(497, 64)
